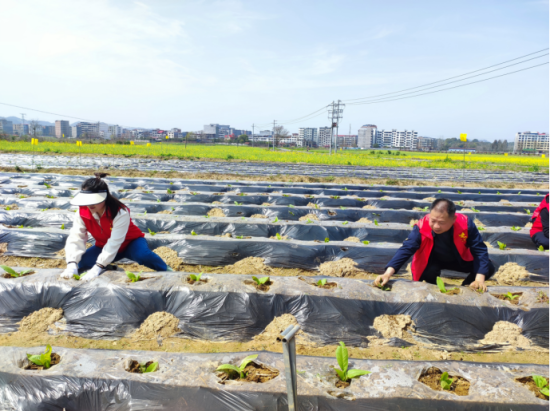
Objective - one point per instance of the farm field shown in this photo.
(366, 158)
(320, 244)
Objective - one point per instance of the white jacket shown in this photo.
(76, 242)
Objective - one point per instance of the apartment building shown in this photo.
(309, 134)
(427, 143)
(366, 136)
(346, 141)
(6, 127)
(62, 128)
(531, 142)
(325, 134)
(397, 139)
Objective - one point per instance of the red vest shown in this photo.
(460, 235)
(102, 231)
(537, 224)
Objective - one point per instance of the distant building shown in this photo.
(48, 131)
(366, 136)
(325, 134)
(427, 143)
(114, 131)
(21, 129)
(6, 127)
(531, 142)
(346, 141)
(461, 150)
(292, 139)
(309, 136)
(216, 131)
(62, 127)
(397, 139)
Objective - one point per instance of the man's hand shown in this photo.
(383, 279)
(479, 283)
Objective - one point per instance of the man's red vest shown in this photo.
(102, 231)
(537, 224)
(460, 235)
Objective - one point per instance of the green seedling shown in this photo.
(229, 368)
(441, 285)
(322, 282)
(237, 203)
(439, 191)
(241, 194)
(481, 228)
(384, 287)
(538, 194)
(158, 200)
(133, 277)
(44, 359)
(14, 273)
(195, 277)
(541, 383)
(8, 208)
(21, 226)
(50, 196)
(519, 192)
(479, 192)
(446, 382)
(276, 219)
(260, 281)
(345, 189)
(380, 190)
(498, 192)
(366, 242)
(151, 232)
(515, 228)
(335, 197)
(475, 210)
(510, 296)
(342, 357)
(194, 193)
(309, 221)
(76, 277)
(375, 222)
(279, 237)
(171, 182)
(62, 226)
(291, 205)
(173, 209)
(168, 191)
(326, 240)
(527, 211)
(193, 232)
(541, 248)
(345, 222)
(152, 368)
(502, 246)
(286, 195)
(342, 208)
(459, 192)
(239, 237)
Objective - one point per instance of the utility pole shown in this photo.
(22, 125)
(252, 135)
(273, 137)
(335, 114)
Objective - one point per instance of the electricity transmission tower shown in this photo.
(335, 114)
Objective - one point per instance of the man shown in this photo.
(539, 231)
(443, 239)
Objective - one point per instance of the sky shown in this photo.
(167, 63)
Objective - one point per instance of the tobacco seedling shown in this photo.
(278, 236)
(76, 277)
(14, 273)
(498, 192)
(441, 285)
(133, 277)
(62, 226)
(510, 296)
(152, 368)
(241, 194)
(260, 281)
(519, 192)
(309, 221)
(541, 384)
(322, 282)
(195, 277)
(173, 209)
(342, 357)
(151, 232)
(502, 246)
(335, 197)
(291, 206)
(342, 208)
(515, 228)
(527, 211)
(446, 382)
(384, 287)
(481, 228)
(229, 368)
(541, 248)
(366, 242)
(276, 219)
(44, 359)
(345, 189)
(47, 185)
(439, 191)
(326, 240)
(475, 210)
(375, 222)
(239, 237)
(193, 232)
(459, 192)
(345, 222)
(237, 203)
(158, 200)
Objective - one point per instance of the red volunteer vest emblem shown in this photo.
(102, 232)
(460, 235)
(537, 224)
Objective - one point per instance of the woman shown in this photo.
(116, 236)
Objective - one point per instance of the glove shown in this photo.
(72, 269)
(93, 273)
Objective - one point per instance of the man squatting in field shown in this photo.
(539, 230)
(109, 223)
(443, 239)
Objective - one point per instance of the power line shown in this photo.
(456, 81)
(450, 78)
(47, 112)
(448, 88)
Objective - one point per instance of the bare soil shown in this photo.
(254, 372)
(507, 333)
(311, 216)
(429, 199)
(503, 297)
(344, 267)
(511, 274)
(364, 220)
(165, 212)
(353, 240)
(161, 324)
(453, 291)
(394, 325)
(39, 321)
(529, 383)
(258, 216)
(216, 212)
(134, 366)
(260, 287)
(369, 207)
(342, 384)
(55, 359)
(432, 378)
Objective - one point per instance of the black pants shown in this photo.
(434, 267)
(540, 239)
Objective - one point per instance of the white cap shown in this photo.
(87, 198)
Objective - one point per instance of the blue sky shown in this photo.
(187, 63)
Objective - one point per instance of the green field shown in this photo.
(375, 158)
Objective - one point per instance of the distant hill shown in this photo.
(17, 120)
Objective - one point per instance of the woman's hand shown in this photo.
(383, 279)
(479, 283)
(72, 269)
(93, 273)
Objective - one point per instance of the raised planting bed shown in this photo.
(226, 308)
(96, 379)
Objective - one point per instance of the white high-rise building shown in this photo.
(325, 134)
(397, 139)
(308, 134)
(531, 141)
(366, 136)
